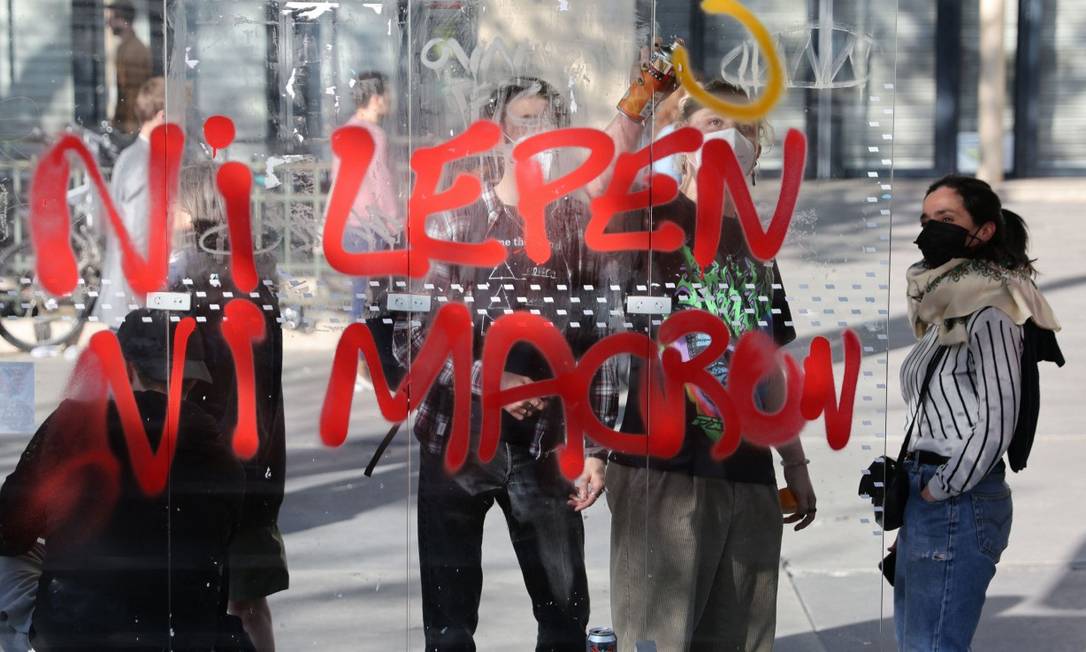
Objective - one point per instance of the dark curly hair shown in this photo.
(367, 85)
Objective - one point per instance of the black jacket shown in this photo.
(209, 277)
(118, 562)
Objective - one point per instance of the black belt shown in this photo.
(926, 457)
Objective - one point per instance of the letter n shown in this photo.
(50, 219)
(820, 393)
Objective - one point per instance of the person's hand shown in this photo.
(926, 495)
(644, 53)
(589, 486)
(799, 483)
(645, 88)
(667, 111)
(520, 410)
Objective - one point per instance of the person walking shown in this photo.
(132, 62)
(128, 187)
(374, 222)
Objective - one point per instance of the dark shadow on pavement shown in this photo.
(344, 498)
(997, 632)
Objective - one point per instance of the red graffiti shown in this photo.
(810, 391)
(720, 170)
(235, 182)
(101, 370)
(506, 331)
(50, 219)
(657, 441)
(84, 479)
(428, 164)
(536, 194)
(218, 132)
(354, 147)
(450, 339)
(755, 358)
(678, 374)
(243, 325)
(450, 335)
(667, 236)
(150, 468)
(820, 395)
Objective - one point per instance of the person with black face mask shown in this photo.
(982, 325)
(939, 241)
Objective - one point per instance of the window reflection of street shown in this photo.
(350, 538)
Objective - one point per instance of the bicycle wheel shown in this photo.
(30, 317)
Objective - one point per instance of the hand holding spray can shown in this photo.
(655, 81)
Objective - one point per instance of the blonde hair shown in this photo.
(763, 135)
(198, 195)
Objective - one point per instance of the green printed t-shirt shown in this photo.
(742, 291)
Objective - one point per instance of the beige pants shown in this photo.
(693, 561)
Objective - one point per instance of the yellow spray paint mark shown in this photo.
(745, 111)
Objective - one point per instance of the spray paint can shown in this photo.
(656, 79)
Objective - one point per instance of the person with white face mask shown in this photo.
(707, 532)
(745, 151)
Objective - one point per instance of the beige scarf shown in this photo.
(946, 295)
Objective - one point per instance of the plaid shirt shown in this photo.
(580, 278)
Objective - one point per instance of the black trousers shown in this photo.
(547, 535)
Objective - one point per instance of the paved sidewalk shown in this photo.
(350, 539)
(831, 593)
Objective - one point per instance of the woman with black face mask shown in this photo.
(981, 325)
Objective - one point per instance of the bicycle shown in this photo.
(30, 317)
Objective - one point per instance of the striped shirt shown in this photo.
(971, 408)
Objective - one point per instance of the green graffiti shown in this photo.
(713, 427)
(729, 291)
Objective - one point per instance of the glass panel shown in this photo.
(835, 266)
(530, 69)
(76, 79)
(829, 276)
(318, 121)
(307, 127)
(289, 75)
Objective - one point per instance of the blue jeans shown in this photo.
(357, 243)
(946, 555)
(547, 535)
